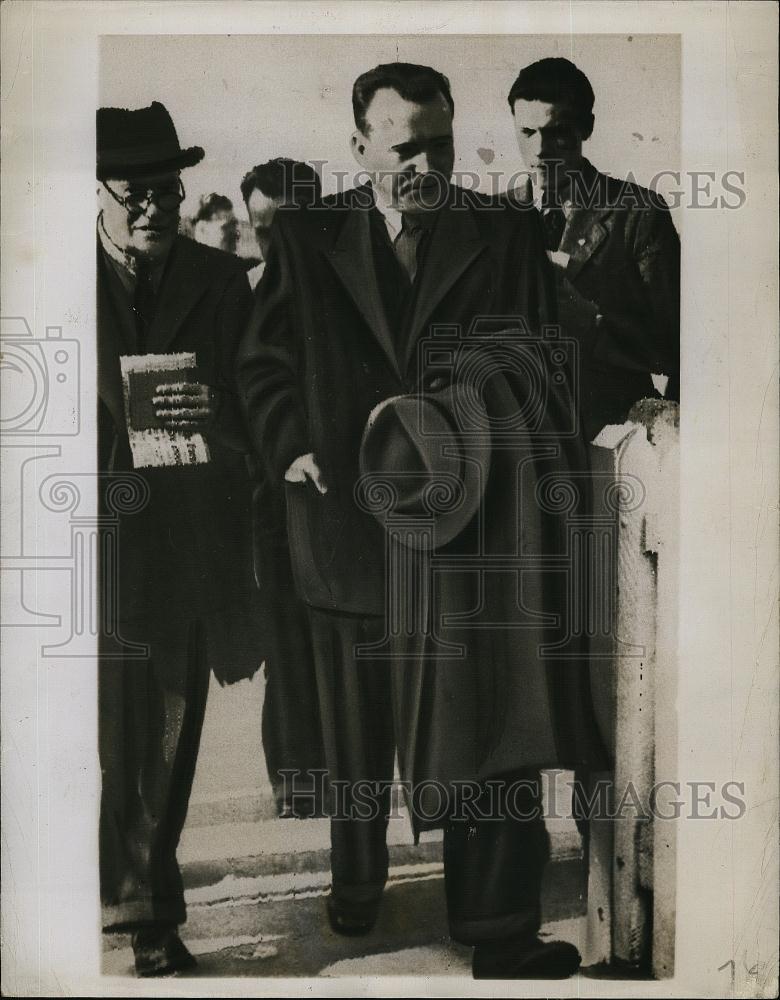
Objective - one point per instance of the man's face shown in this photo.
(408, 150)
(220, 231)
(141, 227)
(550, 141)
(261, 211)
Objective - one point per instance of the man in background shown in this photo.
(268, 186)
(292, 738)
(215, 224)
(613, 245)
(183, 556)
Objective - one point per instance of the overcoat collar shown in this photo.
(116, 336)
(583, 234)
(351, 255)
(588, 212)
(183, 283)
(588, 219)
(116, 323)
(454, 243)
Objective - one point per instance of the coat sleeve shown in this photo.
(270, 364)
(650, 342)
(232, 316)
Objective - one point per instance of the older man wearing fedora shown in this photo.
(395, 373)
(184, 557)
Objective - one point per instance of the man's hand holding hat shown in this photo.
(434, 450)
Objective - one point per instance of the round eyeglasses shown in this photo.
(167, 198)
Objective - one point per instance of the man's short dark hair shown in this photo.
(288, 181)
(414, 83)
(209, 205)
(556, 81)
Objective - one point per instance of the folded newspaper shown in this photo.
(151, 443)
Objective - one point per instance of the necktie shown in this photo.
(407, 243)
(554, 223)
(143, 304)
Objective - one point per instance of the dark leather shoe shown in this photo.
(350, 918)
(527, 959)
(159, 951)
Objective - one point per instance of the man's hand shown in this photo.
(305, 467)
(185, 406)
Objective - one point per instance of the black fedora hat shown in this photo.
(431, 454)
(131, 143)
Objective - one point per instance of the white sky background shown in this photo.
(247, 98)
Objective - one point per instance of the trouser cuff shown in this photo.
(128, 916)
(362, 892)
(482, 930)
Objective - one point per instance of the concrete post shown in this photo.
(643, 454)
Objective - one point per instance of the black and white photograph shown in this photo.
(389, 447)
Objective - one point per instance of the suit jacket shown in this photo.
(319, 355)
(188, 551)
(624, 263)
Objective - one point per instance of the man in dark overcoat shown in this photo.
(184, 552)
(352, 289)
(292, 737)
(615, 250)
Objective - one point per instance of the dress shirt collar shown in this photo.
(393, 219)
(125, 264)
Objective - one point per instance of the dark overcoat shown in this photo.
(319, 355)
(187, 552)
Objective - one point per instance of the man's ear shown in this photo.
(358, 146)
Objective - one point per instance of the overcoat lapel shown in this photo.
(583, 234)
(352, 259)
(184, 283)
(588, 219)
(116, 324)
(116, 336)
(455, 243)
